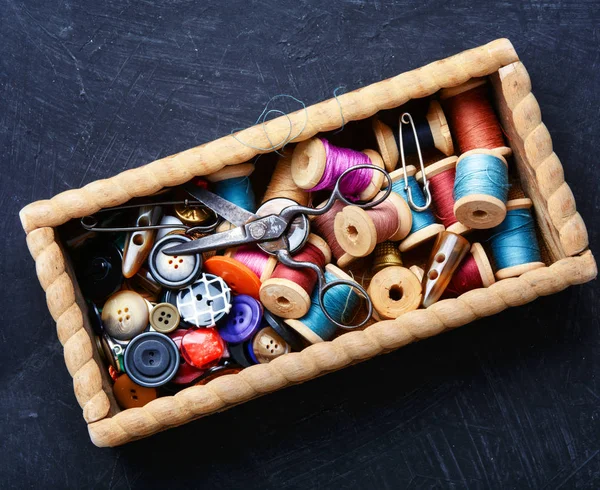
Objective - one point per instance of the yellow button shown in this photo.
(164, 318)
(193, 215)
(268, 345)
(131, 395)
(125, 315)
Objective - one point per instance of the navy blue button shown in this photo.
(243, 320)
(240, 354)
(98, 270)
(151, 359)
(292, 337)
(95, 318)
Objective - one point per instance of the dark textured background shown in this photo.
(91, 88)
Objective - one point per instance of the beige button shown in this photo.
(267, 345)
(125, 315)
(164, 318)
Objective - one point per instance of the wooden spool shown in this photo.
(310, 159)
(346, 259)
(435, 169)
(386, 140)
(267, 271)
(517, 270)
(394, 291)
(424, 234)
(448, 93)
(282, 184)
(483, 265)
(299, 326)
(480, 211)
(356, 233)
(283, 297)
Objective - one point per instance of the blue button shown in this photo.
(151, 359)
(243, 320)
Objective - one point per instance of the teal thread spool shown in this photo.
(233, 183)
(341, 302)
(424, 225)
(481, 189)
(514, 242)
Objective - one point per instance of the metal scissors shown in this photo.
(279, 234)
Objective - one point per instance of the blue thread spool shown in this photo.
(341, 302)
(432, 131)
(424, 225)
(514, 242)
(481, 189)
(233, 183)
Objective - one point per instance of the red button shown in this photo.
(186, 372)
(202, 347)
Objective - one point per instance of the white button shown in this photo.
(173, 271)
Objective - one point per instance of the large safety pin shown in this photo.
(406, 118)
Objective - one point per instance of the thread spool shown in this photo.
(287, 292)
(472, 118)
(233, 183)
(342, 303)
(441, 176)
(424, 226)
(514, 242)
(358, 230)
(386, 254)
(433, 132)
(475, 271)
(259, 262)
(282, 184)
(316, 165)
(394, 291)
(324, 226)
(481, 189)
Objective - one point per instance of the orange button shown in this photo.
(238, 277)
(131, 395)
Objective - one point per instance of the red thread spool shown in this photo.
(358, 230)
(475, 271)
(287, 293)
(472, 117)
(441, 176)
(323, 225)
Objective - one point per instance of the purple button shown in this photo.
(243, 320)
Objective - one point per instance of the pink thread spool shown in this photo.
(324, 226)
(317, 164)
(358, 230)
(259, 262)
(288, 291)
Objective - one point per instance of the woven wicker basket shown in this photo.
(561, 228)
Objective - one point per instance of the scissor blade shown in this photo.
(227, 210)
(226, 239)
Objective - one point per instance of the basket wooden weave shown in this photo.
(541, 174)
